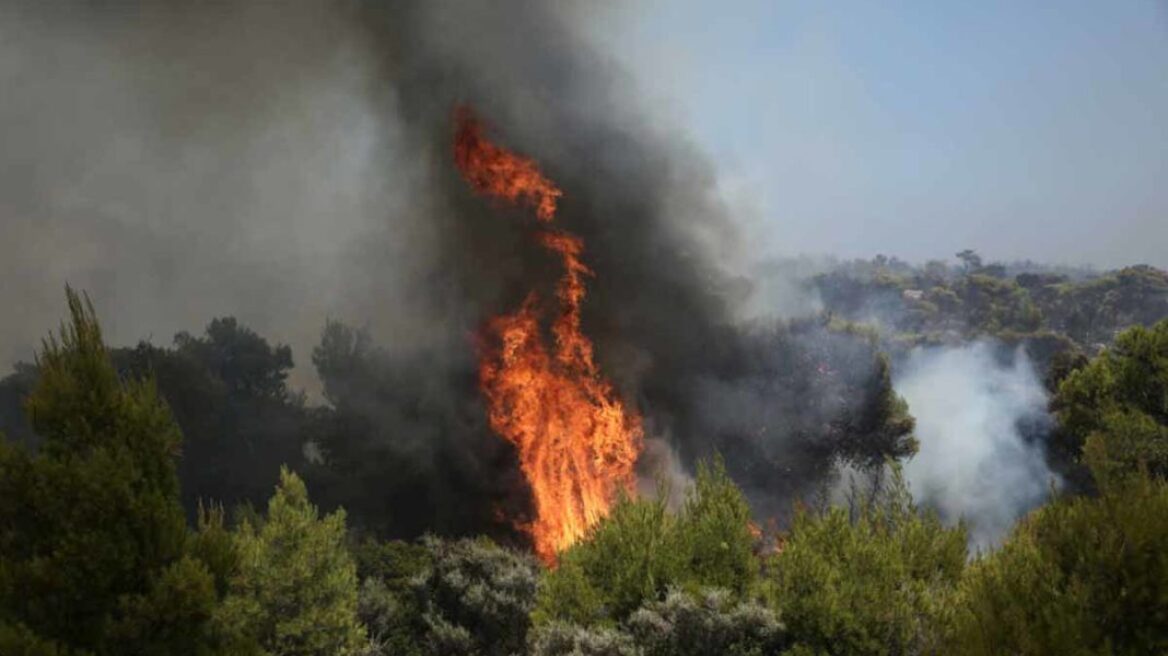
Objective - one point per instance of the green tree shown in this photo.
(628, 558)
(227, 392)
(1120, 398)
(93, 551)
(1080, 576)
(869, 580)
(295, 592)
(240, 422)
(714, 533)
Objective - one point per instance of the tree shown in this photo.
(872, 580)
(92, 555)
(398, 428)
(241, 359)
(1080, 576)
(295, 593)
(1121, 399)
(714, 532)
(228, 392)
(228, 395)
(970, 259)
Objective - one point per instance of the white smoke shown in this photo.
(975, 462)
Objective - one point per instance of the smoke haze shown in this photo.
(980, 419)
(287, 163)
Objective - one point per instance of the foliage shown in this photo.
(1120, 398)
(870, 580)
(883, 429)
(386, 603)
(1080, 576)
(713, 533)
(295, 592)
(708, 621)
(228, 392)
(935, 302)
(96, 557)
(446, 597)
(628, 558)
(566, 639)
(399, 450)
(93, 551)
(640, 550)
(476, 597)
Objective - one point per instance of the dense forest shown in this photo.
(186, 500)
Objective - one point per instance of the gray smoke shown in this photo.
(288, 162)
(981, 416)
(185, 160)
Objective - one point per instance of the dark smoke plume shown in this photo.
(287, 162)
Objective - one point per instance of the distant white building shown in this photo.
(913, 295)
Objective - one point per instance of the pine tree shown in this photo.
(295, 593)
(93, 541)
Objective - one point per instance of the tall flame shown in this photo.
(577, 442)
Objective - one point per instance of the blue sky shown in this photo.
(1021, 129)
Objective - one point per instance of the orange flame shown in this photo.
(495, 171)
(577, 442)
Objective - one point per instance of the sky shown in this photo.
(1020, 129)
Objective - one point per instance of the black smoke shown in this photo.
(408, 251)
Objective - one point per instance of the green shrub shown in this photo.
(640, 550)
(871, 580)
(1079, 576)
(295, 592)
(475, 598)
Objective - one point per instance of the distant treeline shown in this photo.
(939, 302)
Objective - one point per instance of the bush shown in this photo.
(640, 550)
(295, 592)
(708, 622)
(475, 598)
(565, 639)
(684, 624)
(1080, 576)
(871, 580)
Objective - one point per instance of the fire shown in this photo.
(495, 171)
(577, 442)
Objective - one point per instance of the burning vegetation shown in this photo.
(577, 442)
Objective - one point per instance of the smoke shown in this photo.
(288, 162)
(981, 416)
(180, 161)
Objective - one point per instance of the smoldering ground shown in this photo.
(289, 162)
